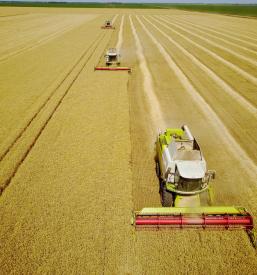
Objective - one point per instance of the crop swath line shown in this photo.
(216, 34)
(212, 43)
(42, 41)
(219, 81)
(97, 42)
(211, 29)
(225, 32)
(232, 66)
(155, 109)
(13, 15)
(237, 150)
(120, 39)
(44, 103)
(30, 23)
(232, 34)
(114, 18)
(204, 31)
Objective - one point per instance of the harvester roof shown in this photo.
(191, 169)
(112, 52)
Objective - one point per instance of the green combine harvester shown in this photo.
(186, 191)
(112, 62)
(108, 25)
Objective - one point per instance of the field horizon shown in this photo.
(226, 9)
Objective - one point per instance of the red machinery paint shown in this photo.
(210, 221)
(113, 69)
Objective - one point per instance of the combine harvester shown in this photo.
(108, 25)
(112, 61)
(185, 189)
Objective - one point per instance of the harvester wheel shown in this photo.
(166, 197)
(205, 198)
(157, 168)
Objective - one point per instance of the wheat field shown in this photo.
(77, 145)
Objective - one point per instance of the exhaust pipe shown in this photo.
(188, 133)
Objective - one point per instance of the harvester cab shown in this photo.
(108, 25)
(112, 57)
(184, 181)
(112, 62)
(182, 169)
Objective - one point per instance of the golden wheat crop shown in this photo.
(77, 145)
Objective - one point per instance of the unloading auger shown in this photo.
(186, 192)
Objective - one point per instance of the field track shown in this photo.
(77, 145)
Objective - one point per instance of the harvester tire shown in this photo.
(205, 199)
(157, 168)
(167, 198)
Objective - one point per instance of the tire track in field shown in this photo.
(48, 99)
(120, 38)
(114, 19)
(224, 86)
(40, 42)
(31, 23)
(210, 29)
(240, 56)
(93, 46)
(13, 15)
(2, 156)
(203, 31)
(235, 148)
(232, 66)
(155, 109)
